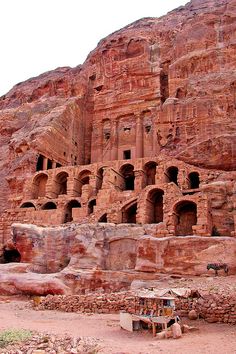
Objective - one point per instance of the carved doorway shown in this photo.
(186, 218)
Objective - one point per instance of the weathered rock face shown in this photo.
(174, 77)
(142, 133)
(104, 257)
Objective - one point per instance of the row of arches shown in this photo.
(126, 179)
(185, 212)
(50, 205)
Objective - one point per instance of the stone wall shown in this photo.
(211, 307)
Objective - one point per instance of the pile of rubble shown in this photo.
(48, 343)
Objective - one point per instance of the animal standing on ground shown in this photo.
(218, 266)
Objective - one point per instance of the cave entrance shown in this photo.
(11, 256)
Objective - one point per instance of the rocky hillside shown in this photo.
(192, 49)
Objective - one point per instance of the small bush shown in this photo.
(11, 336)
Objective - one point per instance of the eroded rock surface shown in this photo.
(143, 133)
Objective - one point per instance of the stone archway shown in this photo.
(28, 205)
(150, 172)
(83, 179)
(172, 175)
(185, 218)
(61, 183)
(154, 206)
(129, 213)
(68, 210)
(127, 172)
(49, 206)
(39, 186)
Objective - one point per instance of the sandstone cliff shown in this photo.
(180, 69)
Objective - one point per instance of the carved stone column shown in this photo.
(139, 137)
(45, 163)
(114, 140)
(139, 180)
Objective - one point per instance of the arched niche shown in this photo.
(83, 179)
(49, 206)
(91, 206)
(154, 206)
(68, 210)
(99, 178)
(150, 172)
(185, 218)
(129, 213)
(194, 180)
(39, 186)
(127, 172)
(172, 175)
(61, 183)
(28, 205)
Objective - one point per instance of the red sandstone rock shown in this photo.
(192, 315)
(143, 132)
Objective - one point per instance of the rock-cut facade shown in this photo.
(140, 138)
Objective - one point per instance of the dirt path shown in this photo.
(211, 338)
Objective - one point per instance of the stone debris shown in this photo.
(44, 343)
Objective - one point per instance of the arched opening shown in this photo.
(84, 176)
(127, 172)
(49, 206)
(83, 179)
(99, 178)
(39, 186)
(194, 180)
(91, 206)
(150, 171)
(103, 218)
(172, 175)
(11, 256)
(61, 183)
(186, 217)
(129, 214)
(154, 204)
(27, 205)
(68, 210)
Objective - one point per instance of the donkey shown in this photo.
(218, 266)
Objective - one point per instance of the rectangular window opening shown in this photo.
(127, 154)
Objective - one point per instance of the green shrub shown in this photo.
(11, 336)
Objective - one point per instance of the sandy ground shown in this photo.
(210, 338)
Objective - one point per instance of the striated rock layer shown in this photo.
(104, 257)
(143, 132)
